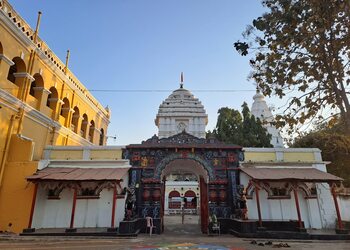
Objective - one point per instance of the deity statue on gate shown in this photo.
(130, 204)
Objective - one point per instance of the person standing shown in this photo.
(183, 214)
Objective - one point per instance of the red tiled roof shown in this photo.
(78, 174)
(304, 174)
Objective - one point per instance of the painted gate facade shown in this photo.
(220, 192)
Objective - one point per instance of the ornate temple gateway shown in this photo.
(214, 163)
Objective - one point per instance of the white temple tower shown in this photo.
(261, 110)
(181, 111)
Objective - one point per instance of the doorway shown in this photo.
(185, 198)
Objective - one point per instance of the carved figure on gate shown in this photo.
(242, 201)
(130, 203)
(144, 161)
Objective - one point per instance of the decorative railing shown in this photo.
(42, 46)
(72, 127)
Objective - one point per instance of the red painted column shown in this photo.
(298, 207)
(258, 203)
(33, 205)
(114, 205)
(340, 223)
(73, 208)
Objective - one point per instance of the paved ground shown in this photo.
(173, 225)
(176, 236)
(145, 242)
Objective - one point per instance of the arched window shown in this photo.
(38, 82)
(75, 119)
(102, 137)
(190, 199)
(19, 66)
(84, 124)
(32, 88)
(91, 131)
(65, 108)
(174, 201)
(52, 98)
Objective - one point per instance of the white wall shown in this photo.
(344, 203)
(284, 209)
(88, 212)
(53, 213)
(326, 206)
(94, 212)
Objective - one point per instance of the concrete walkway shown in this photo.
(161, 242)
(173, 225)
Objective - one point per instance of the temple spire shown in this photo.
(182, 80)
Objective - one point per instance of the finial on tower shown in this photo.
(182, 80)
(257, 88)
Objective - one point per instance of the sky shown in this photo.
(145, 45)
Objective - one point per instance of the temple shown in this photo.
(58, 176)
(250, 190)
(181, 111)
(261, 111)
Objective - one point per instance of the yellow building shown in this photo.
(41, 103)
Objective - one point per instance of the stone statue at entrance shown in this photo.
(242, 210)
(130, 203)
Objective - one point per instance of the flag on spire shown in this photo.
(181, 80)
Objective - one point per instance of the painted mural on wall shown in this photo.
(219, 160)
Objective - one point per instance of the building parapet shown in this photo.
(83, 152)
(299, 155)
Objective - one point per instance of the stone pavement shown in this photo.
(165, 241)
(176, 236)
(173, 225)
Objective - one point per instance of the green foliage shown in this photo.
(302, 47)
(335, 146)
(242, 129)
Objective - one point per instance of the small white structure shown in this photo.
(291, 172)
(180, 194)
(79, 193)
(261, 110)
(181, 111)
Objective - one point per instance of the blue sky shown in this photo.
(145, 44)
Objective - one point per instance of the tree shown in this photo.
(335, 147)
(303, 47)
(232, 127)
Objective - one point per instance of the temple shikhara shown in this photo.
(58, 176)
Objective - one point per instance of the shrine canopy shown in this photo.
(290, 174)
(81, 171)
(78, 174)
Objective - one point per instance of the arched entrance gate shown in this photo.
(219, 187)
